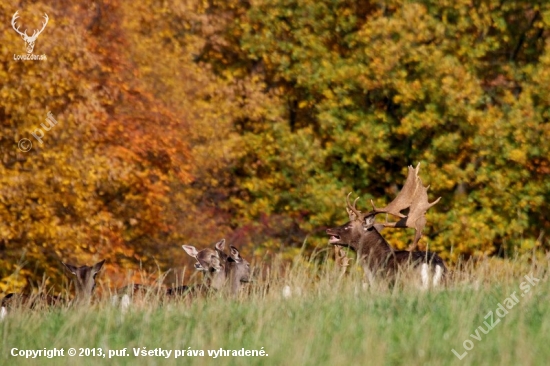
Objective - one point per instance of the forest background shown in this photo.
(188, 122)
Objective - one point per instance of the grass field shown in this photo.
(328, 320)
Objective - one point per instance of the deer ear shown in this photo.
(220, 245)
(369, 221)
(191, 250)
(235, 255)
(70, 268)
(97, 267)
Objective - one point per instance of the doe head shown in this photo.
(85, 277)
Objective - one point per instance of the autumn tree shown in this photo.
(97, 185)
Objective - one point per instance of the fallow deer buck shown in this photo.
(84, 286)
(362, 234)
(221, 269)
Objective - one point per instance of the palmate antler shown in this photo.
(413, 196)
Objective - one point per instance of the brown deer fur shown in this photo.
(84, 277)
(362, 234)
(221, 269)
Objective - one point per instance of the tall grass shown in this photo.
(329, 319)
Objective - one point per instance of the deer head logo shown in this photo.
(29, 41)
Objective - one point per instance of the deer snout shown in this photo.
(332, 231)
(334, 237)
(246, 275)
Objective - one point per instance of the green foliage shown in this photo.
(374, 89)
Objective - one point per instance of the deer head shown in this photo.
(413, 196)
(221, 267)
(238, 269)
(208, 260)
(85, 284)
(85, 278)
(29, 41)
(210, 263)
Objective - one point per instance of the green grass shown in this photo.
(333, 322)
